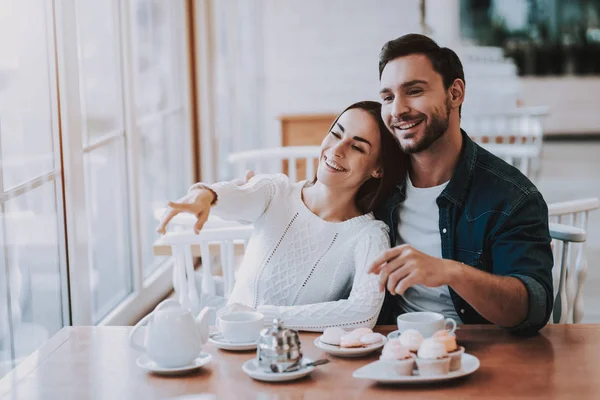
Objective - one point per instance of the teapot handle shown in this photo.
(203, 323)
(132, 335)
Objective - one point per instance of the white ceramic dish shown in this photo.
(348, 352)
(378, 371)
(220, 342)
(395, 334)
(146, 363)
(251, 368)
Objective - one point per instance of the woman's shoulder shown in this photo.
(279, 181)
(374, 225)
(370, 226)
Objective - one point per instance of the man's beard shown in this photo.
(435, 130)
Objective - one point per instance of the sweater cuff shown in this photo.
(536, 313)
(270, 313)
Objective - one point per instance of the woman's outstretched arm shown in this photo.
(228, 200)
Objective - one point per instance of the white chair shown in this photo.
(568, 299)
(572, 254)
(298, 162)
(182, 246)
(514, 135)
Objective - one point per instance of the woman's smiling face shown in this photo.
(350, 151)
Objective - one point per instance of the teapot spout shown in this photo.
(203, 321)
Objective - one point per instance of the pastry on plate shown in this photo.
(350, 341)
(332, 336)
(371, 339)
(432, 358)
(412, 339)
(455, 351)
(398, 357)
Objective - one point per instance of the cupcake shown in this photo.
(432, 358)
(455, 352)
(398, 357)
(332, 336)
(412, 339)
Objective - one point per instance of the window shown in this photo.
(544, 37)
(161, 112)
(33, 290)
(95, 134)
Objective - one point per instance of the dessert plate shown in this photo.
(348, 352)
(382, 373)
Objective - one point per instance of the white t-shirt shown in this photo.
(419, 226)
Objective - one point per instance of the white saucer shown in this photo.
(348, 352)
(146, 363)
(220, 342)
(251, 368)
(382, 373)
(393, 335)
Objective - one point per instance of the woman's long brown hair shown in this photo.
(392, 161)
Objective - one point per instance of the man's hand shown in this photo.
(402, 267)
(502, 300)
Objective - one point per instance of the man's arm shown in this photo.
(502, 300)
(521, 249)
(518, 295)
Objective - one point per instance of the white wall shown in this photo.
(574, 102)
(318, 56)
(322, 55)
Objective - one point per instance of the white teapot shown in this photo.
(173, 337)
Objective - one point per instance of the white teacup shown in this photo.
(241, 326)
(425, 322)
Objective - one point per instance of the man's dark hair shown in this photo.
(444, 61)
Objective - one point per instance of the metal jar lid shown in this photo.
(278, 346)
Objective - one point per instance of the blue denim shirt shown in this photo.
(493, 218)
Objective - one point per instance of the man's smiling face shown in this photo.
(415, 105)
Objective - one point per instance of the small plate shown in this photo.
(348, 352)
(251, 368)
(146, 363)
(220, 342)
(393, 335)
(382, 373)
(396, 334)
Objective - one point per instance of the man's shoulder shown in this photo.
(497, 181)
(499, 175)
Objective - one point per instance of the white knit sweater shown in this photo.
(310, 272)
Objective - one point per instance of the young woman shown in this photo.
(307, 259)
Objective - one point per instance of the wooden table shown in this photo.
(96, 362)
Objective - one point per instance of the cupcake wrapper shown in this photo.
(433, 367)
(456, 359)
(402, 367)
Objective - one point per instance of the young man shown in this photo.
(471, 231)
